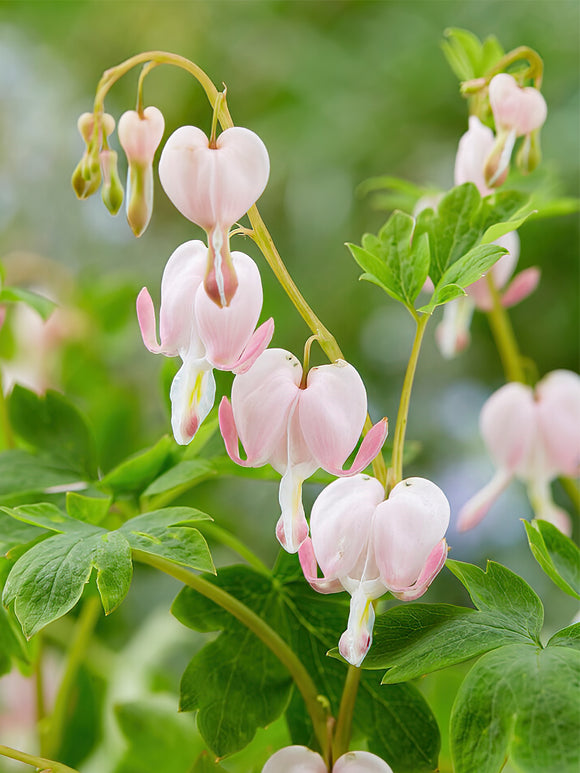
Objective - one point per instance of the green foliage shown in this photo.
(39, 303)
(520, 701)
(220, 677)
(24, 475)
(468, 57)
(134, 474)
(51, 424)
(13, 646)
(558, 556)
(49, 578)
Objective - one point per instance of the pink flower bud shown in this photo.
(369, 546)
(213, 187)
(360, 762)
(298, 430)
(202, 334)
(140, 136)
(474, 147)
(514, 108)
(86, 178)
(532, 435)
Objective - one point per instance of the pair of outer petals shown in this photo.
(299, 759)
(298, 428)
(214, 186)
(367, 546)
(533, 435)
(203, 334)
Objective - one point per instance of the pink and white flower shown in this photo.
(298, 427)
(204, 335)
(534, 435)
(299, 759)
(213, 186)
(368, 546)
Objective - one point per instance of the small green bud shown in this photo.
(529, 156)
(139, 196)
(112, 192)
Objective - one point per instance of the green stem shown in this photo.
(83, 632)
(536, 69)
(38, 762)
(396, 470)
(226, 538)
(5, 426)
(345, 713)
(504, 336)
(260, 628)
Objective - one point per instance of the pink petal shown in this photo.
(360, 762)
(340, 522)
(332, 412)
(214, 185)
(257, 344)
(140, 135)
(295, 759)
(558, 412)
(435, 562)
(226, 331)
(476, 508)
(521, 109)
(406, 528)
(192, 396)
(522, 285)
(508, 426)
(230, 433)
(310, 570)
(355, 642)
(147, 324)
(474, 147)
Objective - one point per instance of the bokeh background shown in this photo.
(340, 91)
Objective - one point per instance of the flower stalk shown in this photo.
(47, 766)
(504, 336)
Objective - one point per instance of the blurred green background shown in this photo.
(339, 91)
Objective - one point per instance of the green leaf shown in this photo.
(13, 646)
(48, 580)
(376, 271)
(567, 637)
(502, 593)
(463, 53)
(137, 472)
(24, 474)
(415, 639)
(14, 533)
(114, 569)
(91, 510)
(471, 266)
(186, 474)
(443, 295)
(391, 193)
(491, 53)
(40, 304)
(505, 206)
(558, 556)
(48, 516)
(518, 701)
(206, 764)
(52, 424)
(219, 679)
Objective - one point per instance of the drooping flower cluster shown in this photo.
(300, 759)
(534, 435)
(297, 426)
(367, 546)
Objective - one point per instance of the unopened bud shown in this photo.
(112, 191)
(139, 196)
(529, 155)
(86, 178)
(221, 280)
(497, 164)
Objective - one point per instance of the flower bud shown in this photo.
(529, 156)
(112, 190)
(86, 177)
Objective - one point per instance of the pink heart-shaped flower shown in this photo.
(522, 110)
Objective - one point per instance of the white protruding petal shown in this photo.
(295, 759)
(406, 528)
(452, 333)
(192, 396)
(355, 642)
(360, 762)
(474, 147)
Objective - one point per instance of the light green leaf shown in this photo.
(206, 764)
(48, 516)
(13, 646)
(137, 472)
(558, 556)
(23, 474)
(415, 639)
(92, 510)
(14, 533)
(472, 266)
(43, 306)
(505, 595)
(376, 271)
(185, 474)
(491, 53)
(445, 294)
(567, 637)
(498, 230)
(165, 517)
(522, 702)
(114, 569)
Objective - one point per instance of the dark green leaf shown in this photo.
(206, 764)
(567, 637)
(92, 510)
(14, 533)
(114, 569)
(502, 593)
(558, 556)
(376, 271)
(184, 475)
(52, 424)
(415, 639)
(39, 303)
(518, 701)
(22, 473)
(183, 546)
(137, 472)
(13, 646)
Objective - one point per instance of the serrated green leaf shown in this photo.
(558, 556)
(137, 472)
(505, 595)
(376, 271)
(39, 303)
(92, 510)
(53, 424)
(48, 516)
(522, 702)
(567, 637)
(415, 639)
(114, 569)
(471, 266)
(186, 473)
(498, 230)
(166, 516)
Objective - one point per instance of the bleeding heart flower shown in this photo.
(474, 147)
(367, 546)
(299, 759)
(140, 135)
(298, 427)
(213, 187)
(204, 335)
(532, 435)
